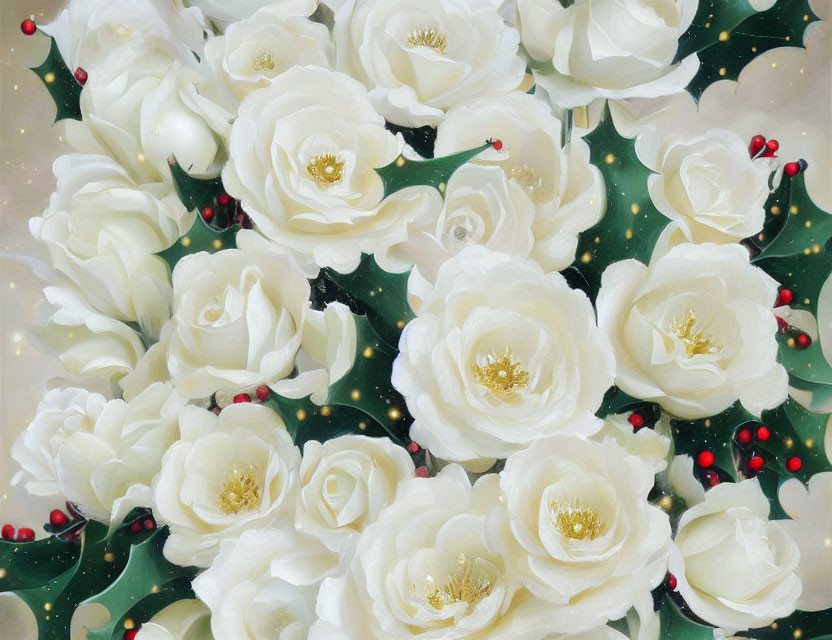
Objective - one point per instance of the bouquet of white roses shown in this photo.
(454, 319)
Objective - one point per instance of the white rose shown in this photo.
(111, 257)
(344, 483)
(694, 331)
(567, 192)
(242, 318)
(651, 445)
(734, 568)
(577, 530)
(262, 586)
(710, 188)
(256, 50)
(810, 507)
(608, 48)
(182, 620)
(423, 569)
(227, 474)
(95, 452)
(86, 342)
(303, 158)
(500, 355)
(225, 11)
(418, 64)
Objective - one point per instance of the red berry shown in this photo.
(763, 434)
(756, 463)
(242, 397)
(8, 532)
(57, 518)
(81, 76)
(25, 535)
(131, 634)
(637, 420)
(28, 27)
(772, 145)
(792, 169)
(794, 464)
(706, 459)
(136, 527)
(672, 582)
(208, 214)
(784, 297)
(757, 143)
(422, 472)
(224, 199)
(149, 524)
(413, 447)
(263, 393)
(744, 436)
(804, 341)
(498, 145)
(712, 478)
(782, 325)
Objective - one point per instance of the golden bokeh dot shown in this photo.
(707, 424)
(326, 411)
(154, 588)
(807, 251)
(129, 624)
(217, 244)
(666, 503)
(790, 342)
(300, 414)
(609, 158)
(400, 324)
(724, 36)
(109, 557)
(3, 573)
(49, 78)
(368, 352)
(789, 443)
(586, 258)
(809, 443)
(775, 210)
(186, 242)
(394, 414)
(48, 606)
(628, 234)
(635, 208)
(362, 426)
(797, 633)
(597, 240)
(808, 224)
(794, 210)
(355, 395)
(723, 71)
(400, 161)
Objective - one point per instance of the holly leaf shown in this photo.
(813, 625)
(29, 565)
(795, 432)
(631, 225)
(198, 192)
(675, 625)
(403, 173)
(725, 45)
(422, 139)
(806, 365)
(61, 84)
(147, 584)
(378, 294)
(200, 237)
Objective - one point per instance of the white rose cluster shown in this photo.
(475, 437)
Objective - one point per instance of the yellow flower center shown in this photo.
(500, 375)
(430, 38)
(464, 585)
(264, 61)
(576, 522)
(240, 491)
(696, 343)
(326, 168)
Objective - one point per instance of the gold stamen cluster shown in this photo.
(576, 522)
(240, 492)
(696, 343)
(326, 168)
(500, 375)
(464, 585)
(430, 38)
(264, 61)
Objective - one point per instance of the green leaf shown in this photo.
(403, 173)
(201, 237)
(806, 365)
(631, 225)
(29, 565)
(724, 58)
(148, 576)
(376, 293)
(422, 139)
(777, 207)
(675, 625)
(795, 432)
(813, 625)
(61, 84)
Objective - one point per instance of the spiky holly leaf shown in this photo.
(675, 625)
(306, 420)
(378, 294)
(777, 207)
(795, 432)
(148, 584)
(813, 625)
(198, 192)
(807, 365)
(201, 237)
(403, 173)
(61, 84)
(29, 565)
(422, 139)
(732, 44)
(631, 225)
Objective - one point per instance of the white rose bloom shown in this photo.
(567, 192)
(694, 331)
(734, 568)
(182, 620)
(710, 188)
(86, 342)
(224, 11)
(608, 48)
(95, 452)
(810, 508)
(227, 474)
(500, 355)
(256, 50)
(418, 64)
(242, 318)
(102, 230)
(344, 483)
(577, 530)
(303, 158)
(263, 585)
(651, 445)
(423, 570)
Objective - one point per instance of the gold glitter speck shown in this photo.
(500, 375)
(430, 38)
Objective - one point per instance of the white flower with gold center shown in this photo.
(500, 355)
(577, 529)
(418, 64)
(303, 156)
(694, 331)
(228, 474)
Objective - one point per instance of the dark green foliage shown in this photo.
(64, 88)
